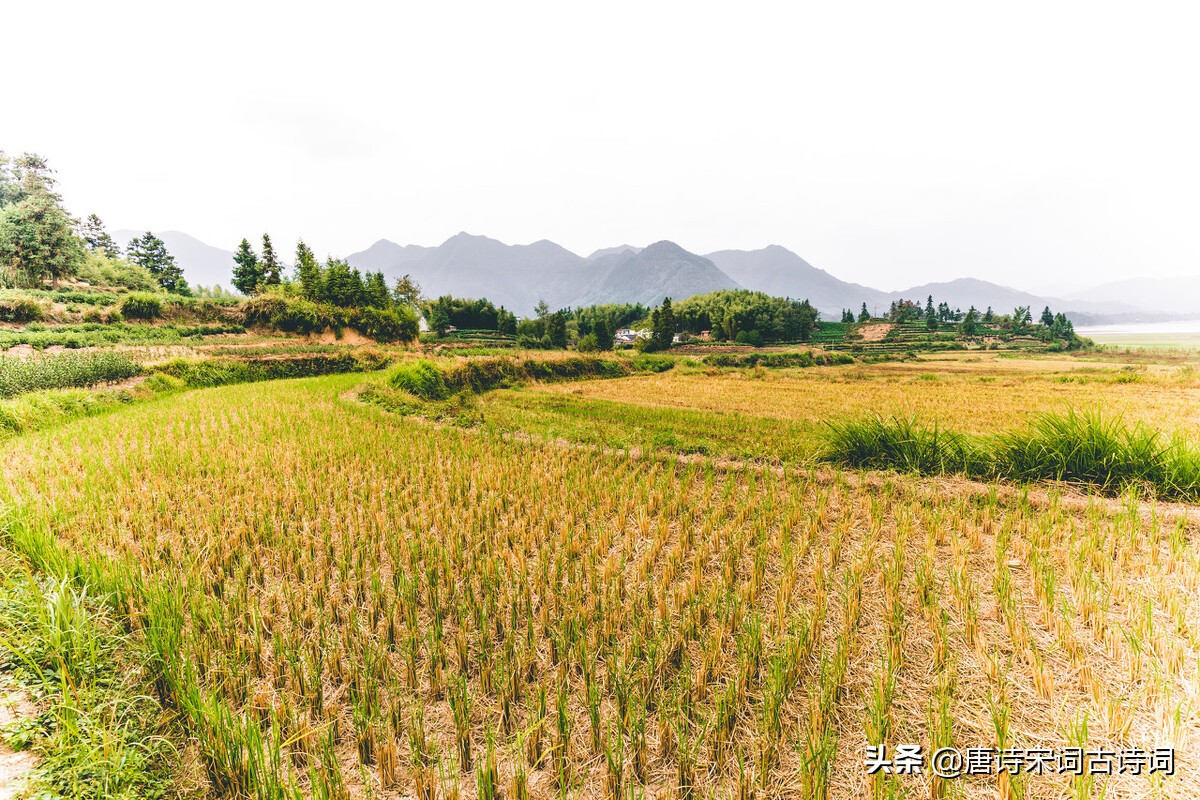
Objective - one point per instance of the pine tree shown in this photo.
(149, 251)
(272, 272)
(247, 273)
(343, 285)
(664, 330)
(376, 290)
(308, 272)
(968, 325)
(97, 239)
(864, 315)
(603, 333)
(1047, 317)
(931, 320)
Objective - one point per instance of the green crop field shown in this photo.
(655, 584)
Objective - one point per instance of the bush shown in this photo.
(97, 270)
(588, 344)
(647, 363)
(386, 325)
(1086, 447)
(142, 306)
(300, 316)
(22, 309)
(752, 338)
(421, 378)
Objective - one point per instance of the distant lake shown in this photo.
(1180, 333)
(1185, 326)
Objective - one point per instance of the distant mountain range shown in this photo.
(203, 264)
(518, 276)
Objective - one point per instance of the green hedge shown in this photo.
(204, 373)
(778, 360)
(63, 370)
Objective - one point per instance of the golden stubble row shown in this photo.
(409, 609)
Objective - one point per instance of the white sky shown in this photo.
(1031, 143)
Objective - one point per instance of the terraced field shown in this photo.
(339, 601)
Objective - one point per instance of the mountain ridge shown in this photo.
(518, 276)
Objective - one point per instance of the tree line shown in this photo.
(40, 241)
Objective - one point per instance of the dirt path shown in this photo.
(15, 765)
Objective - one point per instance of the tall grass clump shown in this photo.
(22, 309)
(96, 734)
(1087, 447)
(1083, 447)
(140, 305)
(902, 444)
(422, 379)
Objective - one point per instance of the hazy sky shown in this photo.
(1031, 143)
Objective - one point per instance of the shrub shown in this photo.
(142, 306)
(421, 378)
(752, 338)
(22, 309)
(588, 344)
(648, 363)
(300, 316)
(264, 309)
(386, 325)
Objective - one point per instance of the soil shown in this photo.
(875, 332)
(15, 765)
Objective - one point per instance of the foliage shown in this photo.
(150, 253)
(727, 313)
(98, 735)
(98, 269)
(97, 334)
(96, 239)
(421, 378)
(272, 270)
(898, 443)
(247, 272)
(397, 324)
(37, 240)
(21, 309)
(63, 370)
(447, 311)
(1077, 446)
(205, 373)
(141, 305)
(300, 315)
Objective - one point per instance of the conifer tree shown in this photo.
(150, 252)
(247, 273)
(308, 272)
(272, 273)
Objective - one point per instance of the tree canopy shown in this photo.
(729, 312)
